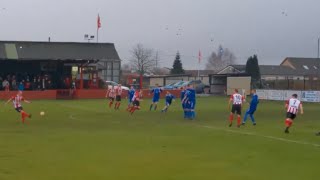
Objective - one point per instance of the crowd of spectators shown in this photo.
(38, 82)
(13, 82)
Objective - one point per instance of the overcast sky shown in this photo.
(273, 29)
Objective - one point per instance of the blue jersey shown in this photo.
(169, 98)
(254, 102)
(191, 95)
(191, 98)
(131, 94)
(156, 92)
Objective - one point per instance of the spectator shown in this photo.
(43, 84)
(34, 84)
(5, 85)
(39, 84)
(21, 86)
(27, 85)
(14, 83)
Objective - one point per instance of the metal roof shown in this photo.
(29, 50)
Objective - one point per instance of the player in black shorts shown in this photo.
(118, 97)
(236, 100)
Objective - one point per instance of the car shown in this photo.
(174, 85)
(109, 85)
(197, 84)
(178, 85)
(169, 86)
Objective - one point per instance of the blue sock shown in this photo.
(245, 117)
(252, 119)
(193, 114)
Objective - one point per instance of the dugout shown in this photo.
(85, 63)
(224, 84)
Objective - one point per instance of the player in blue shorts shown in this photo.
(253, 107)
(191, 102)
(169, 99)
(156, 97)
(130, 97)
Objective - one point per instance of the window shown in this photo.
(116, 72)
(116, 65)
(306, 67)
(109, 72)
(109, 65)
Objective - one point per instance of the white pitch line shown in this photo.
(263, 136)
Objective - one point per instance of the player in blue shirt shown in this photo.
(130, 96)
(183, 102)
(191, 102)
(169, 99)
(156, 97)
(252, 109)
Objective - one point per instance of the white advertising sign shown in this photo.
(276, 95)
(310, 96)
(288, 94)
(262, 94)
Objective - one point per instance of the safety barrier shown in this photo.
(77, 94)
(282, 95)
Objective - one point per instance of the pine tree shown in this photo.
(177, 65)
(252, 68)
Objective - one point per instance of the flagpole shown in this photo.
(97, 34)
(199, 60)
(98, 27)
(199, 71)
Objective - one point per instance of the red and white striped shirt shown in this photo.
(136, 96)
(237, 99)
(119, 91)
(111, 93)
(293, 105)
(16, 100)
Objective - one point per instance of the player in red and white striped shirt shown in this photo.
(136, 101)
(236, 100)
(118, 97)
(292, 106)
(17, 100)
(111, 95)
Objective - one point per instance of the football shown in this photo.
(42, 113)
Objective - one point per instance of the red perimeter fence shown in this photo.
(76, 94)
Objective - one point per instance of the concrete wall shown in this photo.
(154, 81)
(240, 83)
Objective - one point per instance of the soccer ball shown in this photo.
(42, 113)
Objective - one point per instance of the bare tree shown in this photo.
(126, 67)
(143, 59)
(219, 60)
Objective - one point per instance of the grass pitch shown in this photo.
(87, 140)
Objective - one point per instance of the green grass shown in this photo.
(85, 140)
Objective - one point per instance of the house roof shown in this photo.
(202, 72)
(303, 65)
(28, 50)
(267, 70)
(276, 70)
